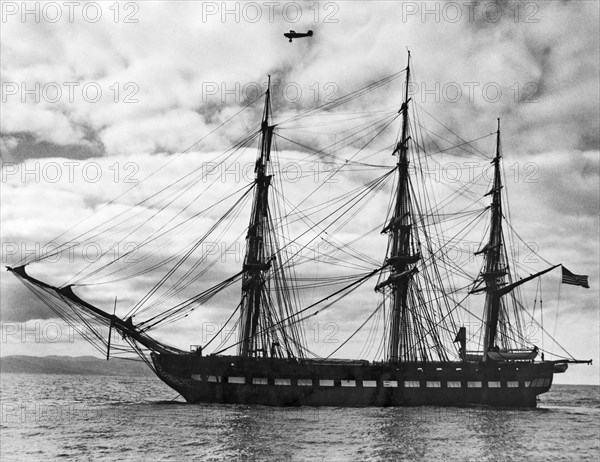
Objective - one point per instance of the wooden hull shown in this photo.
(236, 380)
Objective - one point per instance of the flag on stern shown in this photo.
(574, 279)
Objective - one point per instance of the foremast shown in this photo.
(256, 261)
(402, 249)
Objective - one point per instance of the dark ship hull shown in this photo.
(279, 382)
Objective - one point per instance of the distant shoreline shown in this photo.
(73, 365)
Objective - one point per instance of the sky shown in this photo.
(97, 96)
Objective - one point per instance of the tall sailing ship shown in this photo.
(425, 355)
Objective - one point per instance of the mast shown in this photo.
(256, 262)
(495, 268)
(493, 278)
(402, 254)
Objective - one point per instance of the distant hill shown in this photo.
(79, 365)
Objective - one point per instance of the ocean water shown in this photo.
(66, 417)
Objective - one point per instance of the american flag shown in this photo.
(574, 279)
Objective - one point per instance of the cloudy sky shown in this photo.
(97, 96)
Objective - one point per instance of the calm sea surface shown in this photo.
(66, 417)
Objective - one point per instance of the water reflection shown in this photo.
(78, 418)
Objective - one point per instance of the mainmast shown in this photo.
(256, 262)
(402, 253)
(495, 268)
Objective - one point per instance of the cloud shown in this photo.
(174, 68)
